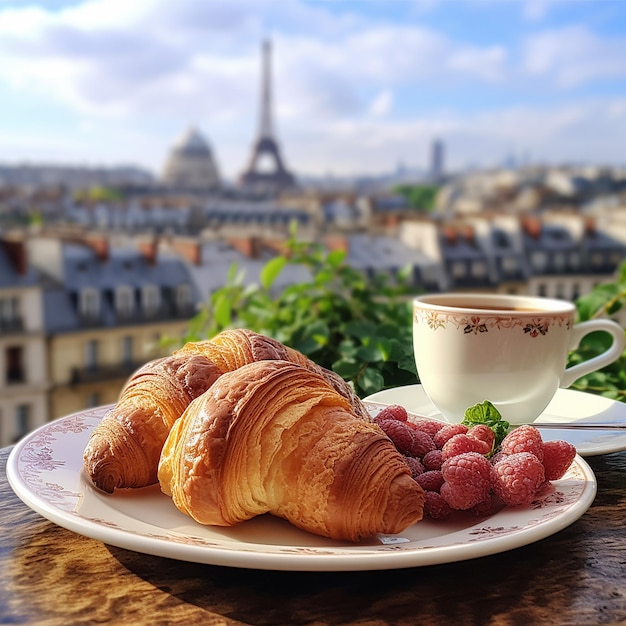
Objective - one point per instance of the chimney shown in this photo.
(248, 246)
(532, 226)
(450, 234)
(149, 250)
(15, 249)
(189, 249)
(336, 242)
(100, 245)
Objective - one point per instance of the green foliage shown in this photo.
(421, 197)
(362, 328)
(359, 327)
(602, 301)
(486, 413)
(98, 194)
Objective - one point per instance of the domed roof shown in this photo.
(192, 142)
(190, 165)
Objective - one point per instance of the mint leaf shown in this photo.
(486, 413)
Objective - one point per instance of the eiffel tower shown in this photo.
(266, 146)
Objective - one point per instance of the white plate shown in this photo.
(567, 406)
(45, 470)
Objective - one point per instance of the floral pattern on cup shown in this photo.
(476, 324)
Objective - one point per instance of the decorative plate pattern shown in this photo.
(45, 470)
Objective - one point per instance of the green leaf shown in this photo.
(371, 381)
(370, 354)
(486, 413)
(222, 311)
(271, 270)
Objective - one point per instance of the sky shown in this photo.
(359, 86)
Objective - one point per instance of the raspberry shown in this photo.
(447, 432)
(483, 508)
(484, 433)
(422, 443)
(435, 506)
(516, 478)
(394, 412)
(433, 460)
(428, 426)
(463, 443)
(523, 439)
(557, 457)
(415, 465)
(467, 480)
(431, 480)
(498, 456)
(399, 433)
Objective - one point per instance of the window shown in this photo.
(479, 269)
(597, 259)
(538, 260)
(458, 269)
(15, 365)
(127, 350)
(124, 301)
(22, 420)
(509, 264)
(91, 354)
(183, 297)
(89, 303)
(150, 299)
(9, 311)
(559, 261)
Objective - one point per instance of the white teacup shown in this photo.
(510, 350)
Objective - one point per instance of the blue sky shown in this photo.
(360, 86)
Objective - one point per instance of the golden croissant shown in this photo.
(124, 448)
(275, 437)
(231, 349)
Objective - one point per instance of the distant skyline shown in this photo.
(360, 87)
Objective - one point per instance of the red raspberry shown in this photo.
(557, 457)
(393, 412)
(524, 438)
(428, 426)
(516, 478)
(431, 480)
(484, 433)
(484, 508)
(467, 480)
(415, 465)
(422, 443)
(435, 506)
(463, 443)
(498, 456)
(433, 460)
(399, 433)
(447, 432)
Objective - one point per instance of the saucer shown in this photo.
(568, 406)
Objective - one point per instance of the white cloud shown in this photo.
(382, 103)
(574, 56)
(340, 78)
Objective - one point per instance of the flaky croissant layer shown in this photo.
(276, 437)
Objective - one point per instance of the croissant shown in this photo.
(231, 349)
(274, 437)
(124, 448)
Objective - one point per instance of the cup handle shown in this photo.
(573, 373)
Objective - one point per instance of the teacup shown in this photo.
(510, 350)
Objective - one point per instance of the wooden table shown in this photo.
(49, 575)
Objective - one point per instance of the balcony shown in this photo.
(102, 373)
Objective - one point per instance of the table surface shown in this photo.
(49, 575)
